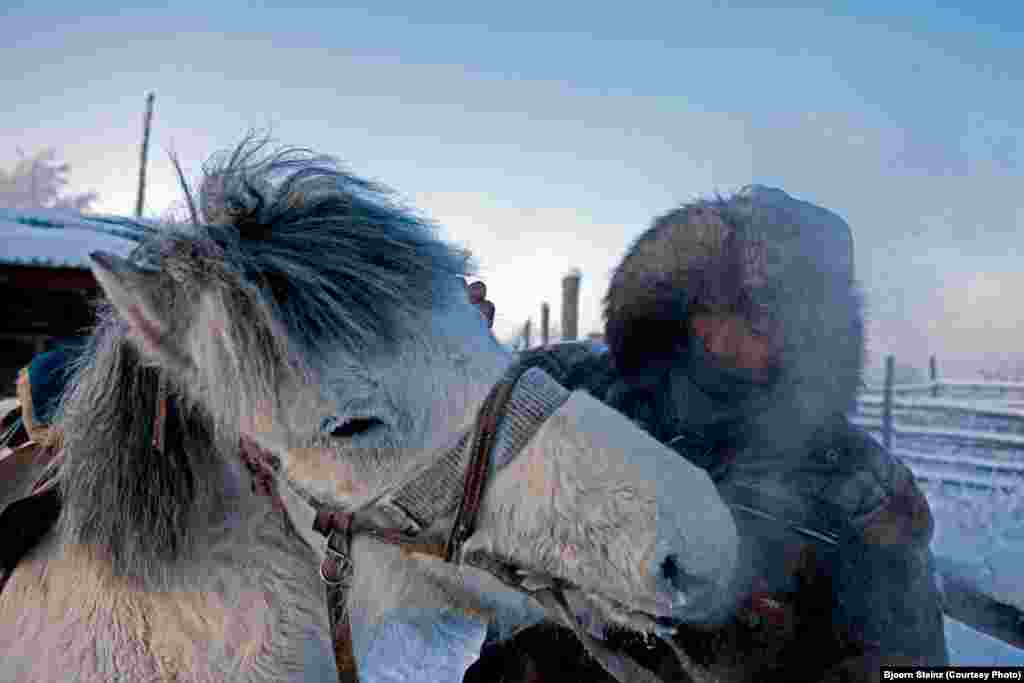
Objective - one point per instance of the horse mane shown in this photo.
(144, 512)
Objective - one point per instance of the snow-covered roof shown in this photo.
(7, 405)
(48, 237)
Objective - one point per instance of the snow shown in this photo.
(968, 647)
(50, 237)
(993, 407)
(968, 384)
(953, 384)
(964, 470)
(1004, 440)
(981, 533)
(974, 481)
(7, 405)
(944, 476)
(987, 464)
(902, 388)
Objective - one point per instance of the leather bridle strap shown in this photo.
(160, 411)
(485, 434)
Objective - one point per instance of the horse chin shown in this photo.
(600, 616)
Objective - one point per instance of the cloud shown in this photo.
(981, 313)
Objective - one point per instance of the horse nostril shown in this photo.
(688, 591)
(675, 574)
(671, 571)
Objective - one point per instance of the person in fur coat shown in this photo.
(735, 335)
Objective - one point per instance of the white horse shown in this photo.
(312, 315)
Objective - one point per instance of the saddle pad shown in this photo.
(23, 524)
(28, 510)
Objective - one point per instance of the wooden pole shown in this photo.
(890, 365)
(933, 373)
(571, 305)
(147, 120)
(545, 322)
(34, 184)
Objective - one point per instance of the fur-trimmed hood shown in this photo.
(761, 253)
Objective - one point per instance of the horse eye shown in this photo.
(348, 428)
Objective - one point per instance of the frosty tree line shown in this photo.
(38, 182)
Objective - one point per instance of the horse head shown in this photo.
(313, 314)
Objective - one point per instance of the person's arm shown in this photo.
(887, 602)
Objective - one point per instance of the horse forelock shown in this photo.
(144, 512)
(338, 259)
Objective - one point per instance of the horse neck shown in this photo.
(249, 608)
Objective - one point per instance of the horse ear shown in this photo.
(132, 291)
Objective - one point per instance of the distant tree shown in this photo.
(1008, 370)
(38, 183)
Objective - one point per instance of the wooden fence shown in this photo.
(967, 433)
(993, 399)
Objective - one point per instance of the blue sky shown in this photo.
(545, 136)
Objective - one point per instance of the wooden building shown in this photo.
(47, 291)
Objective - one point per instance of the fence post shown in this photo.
(147, 119)
(545, 319)
(570, 304)
(933, 373)
(890, 366)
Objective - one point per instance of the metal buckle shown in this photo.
(342, 561)
(336, 582)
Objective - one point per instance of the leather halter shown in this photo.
(159, 442)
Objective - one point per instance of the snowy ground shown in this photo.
(980, 520)
(968, 647)
(982, 531)
(7, 404)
